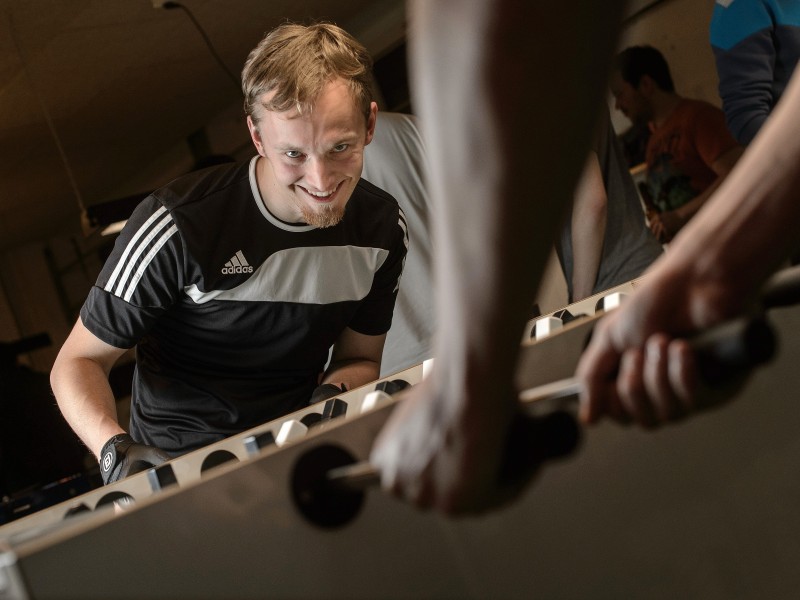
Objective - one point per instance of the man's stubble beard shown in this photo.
(325, 216)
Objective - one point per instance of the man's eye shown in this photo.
(340, 147)
(294, 153)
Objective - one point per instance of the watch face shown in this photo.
(108, 461)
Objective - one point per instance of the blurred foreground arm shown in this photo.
(506, 153)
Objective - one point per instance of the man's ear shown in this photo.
(371, 120)
(255, 135)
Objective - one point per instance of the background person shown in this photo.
(396, 161)
(756, 45)
(605, 241)
(690, 150)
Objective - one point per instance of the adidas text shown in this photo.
(237, 269)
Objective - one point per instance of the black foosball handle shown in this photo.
(782, 289)
(733, 349)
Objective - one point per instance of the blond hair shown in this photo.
(296, 61)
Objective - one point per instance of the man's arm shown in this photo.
(80, 383)
(667, 224)
(742, 38)
(635, 366)
(589, 217)
(508, 130)
(356, 359)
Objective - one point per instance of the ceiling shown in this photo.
(99, 97)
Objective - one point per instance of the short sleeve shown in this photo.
(374, 315)
(142, 278)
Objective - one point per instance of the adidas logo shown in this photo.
(237, 264)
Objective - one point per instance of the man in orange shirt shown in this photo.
(690, 150)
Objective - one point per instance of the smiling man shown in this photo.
(235, 282)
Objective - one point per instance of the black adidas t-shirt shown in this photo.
(233, 310)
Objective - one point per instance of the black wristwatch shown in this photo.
(115, 446)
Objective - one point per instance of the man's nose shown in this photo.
(319, 174)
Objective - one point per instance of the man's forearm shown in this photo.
(86, 401)
(505, 156)
(352, 373)
(80, 383)
(722, 166)
(587, 262)
(589, 219)
(690, 209)
(501, 183)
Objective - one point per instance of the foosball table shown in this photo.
(705, 509)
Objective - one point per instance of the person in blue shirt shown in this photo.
(756, 45)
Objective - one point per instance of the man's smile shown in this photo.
(324, 196)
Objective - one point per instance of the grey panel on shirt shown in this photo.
(284, 277)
